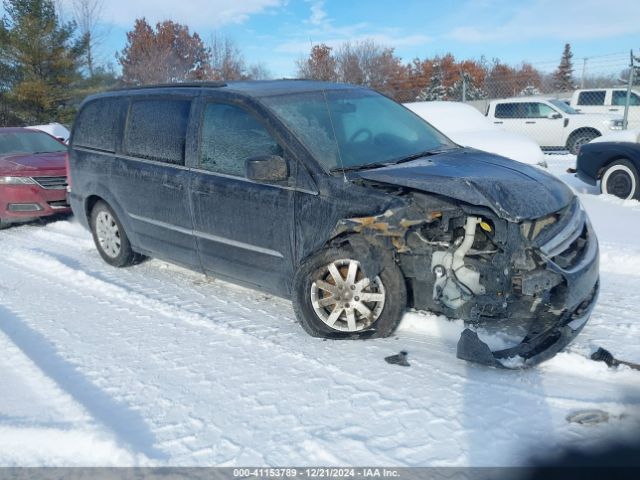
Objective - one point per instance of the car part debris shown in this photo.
(534, 348)
(602, 355)
(398, 359)
(588, 417)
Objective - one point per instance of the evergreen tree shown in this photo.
(529, 91)
(466, 89)
(436, 89)
(563, 76)
(40, 61)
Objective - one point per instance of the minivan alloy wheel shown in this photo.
(345, 299)
(108, 234)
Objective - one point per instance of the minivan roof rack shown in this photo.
(205, 84)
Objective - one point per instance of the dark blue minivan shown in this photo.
(341, 199)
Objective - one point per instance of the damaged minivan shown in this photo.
(344, 201)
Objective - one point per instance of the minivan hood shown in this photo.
(514, 191)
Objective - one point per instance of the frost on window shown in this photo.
(156, 129)
(230, 136)
(311, 119)
(97, 124)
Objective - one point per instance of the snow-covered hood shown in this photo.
(507, 144)
(466, 126)
(514, 191)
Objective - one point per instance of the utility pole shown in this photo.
(464, 87)
(584, 71)
(632, 70)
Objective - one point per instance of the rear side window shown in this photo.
(594, 98)
(156, 130)
(620, 98)
(509, 110)
(97, 124)
(231, 135)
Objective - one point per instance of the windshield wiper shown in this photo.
(397, 161)
(427, 153)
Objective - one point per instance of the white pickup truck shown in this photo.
(550, 122)
(608, 100)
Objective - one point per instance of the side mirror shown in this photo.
(555, 116)
(267, 168)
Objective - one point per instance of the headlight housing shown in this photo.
(17, 181)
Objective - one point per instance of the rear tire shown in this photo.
(4, 224)
(110, 238)
(346, 304)
(578, 139)
(621, 179)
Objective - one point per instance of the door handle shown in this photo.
(614, 109)
(530, 123)
(498, 123)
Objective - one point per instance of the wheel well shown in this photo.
(90, 203)
(583, 130)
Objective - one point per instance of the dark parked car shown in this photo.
(33, 176)
(341, 199)
(614, 164)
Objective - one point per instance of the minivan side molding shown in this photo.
(207, 236)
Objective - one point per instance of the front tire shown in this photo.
(580, 138)
(110, 238)
(333, 298)
(4, 224)
(621, 179)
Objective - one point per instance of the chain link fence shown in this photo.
(605, 98)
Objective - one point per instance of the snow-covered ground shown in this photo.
(156, 365)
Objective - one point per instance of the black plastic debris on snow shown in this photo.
(398, 359)
(602, 355)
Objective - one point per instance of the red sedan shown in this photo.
(33, 175)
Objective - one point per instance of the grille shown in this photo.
(52, 183)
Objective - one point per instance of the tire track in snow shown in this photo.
(193, 316)
(135, 291)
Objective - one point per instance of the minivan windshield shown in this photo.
(28, 142)
(356, 128)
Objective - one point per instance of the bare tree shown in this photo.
(227, 61)
(87, 15)
(319, 65)
(258, 71)
(368, 63)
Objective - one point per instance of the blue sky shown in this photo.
(277, 32)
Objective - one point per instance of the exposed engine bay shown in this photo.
(538, 277)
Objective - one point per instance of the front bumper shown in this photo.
(575, 300)
(20, 203)
(532, 350)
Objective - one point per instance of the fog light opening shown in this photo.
(24, 207)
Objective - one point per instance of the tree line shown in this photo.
(49, 64)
